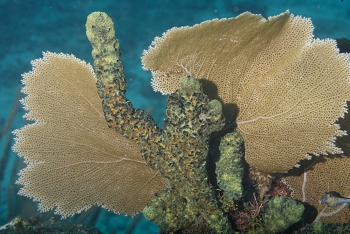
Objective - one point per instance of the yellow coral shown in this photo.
(74, 160)
(325, 174)
(329, 174)
(289, 87)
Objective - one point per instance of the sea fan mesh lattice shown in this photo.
(288, 87)
(74, 160)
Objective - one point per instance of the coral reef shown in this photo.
(324, 174)
(181, 147)
(183, 160)
(281, 213)
(284, 88)
(280, 188)
(229, 168)
(72, 140)
(262, 180)
(328, 174)
(247, 219)
(323, 228)
(268, 214)
(35, 225)
(135, 165)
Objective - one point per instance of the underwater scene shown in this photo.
(174, 116)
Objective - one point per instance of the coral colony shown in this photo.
(261, 80)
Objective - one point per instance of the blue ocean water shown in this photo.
(30, 27)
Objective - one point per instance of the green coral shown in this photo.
(280, 213)
(323, 228)
(229, 168)
(36, 225)
(178, 151)
(189, 120)
(134, 124)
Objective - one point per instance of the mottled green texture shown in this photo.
(280, 213)
(316, 228)
(132, 123)
(324, 228)
(178, 151)
(50, 226)
(182, 160)
(215, 110)
(229, 168)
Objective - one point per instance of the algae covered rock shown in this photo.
(326, 228)
(280, 213)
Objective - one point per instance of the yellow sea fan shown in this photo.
(74, 160)
(289, 88)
